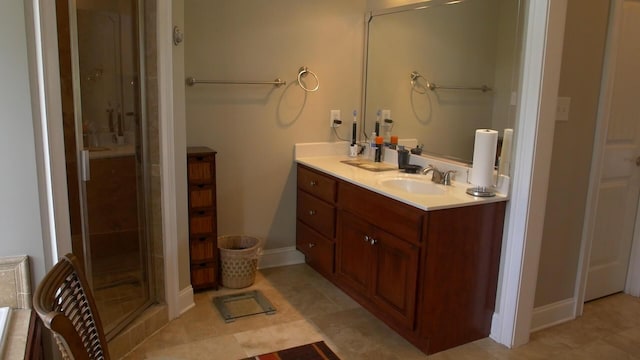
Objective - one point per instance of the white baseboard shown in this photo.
(553, 314)
(280, 257)
(185, 300)
(495, 327)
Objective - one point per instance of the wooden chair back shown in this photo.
(65, 305)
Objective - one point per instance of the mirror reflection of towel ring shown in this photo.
(302, 72)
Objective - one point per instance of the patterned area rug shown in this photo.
(315, 351)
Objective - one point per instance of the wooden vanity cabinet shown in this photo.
(203, 228)
(461, 260)
(316, 217)
(378, 269)
(429, 275)
(377, 253)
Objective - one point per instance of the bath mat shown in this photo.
(239, 305)
(316, 351)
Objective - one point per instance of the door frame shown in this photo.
(597, 164)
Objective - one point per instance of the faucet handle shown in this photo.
(446, 179)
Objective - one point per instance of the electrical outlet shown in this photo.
(562, 108)
(386, 114)
(334, 115)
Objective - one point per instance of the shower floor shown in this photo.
(118, 287)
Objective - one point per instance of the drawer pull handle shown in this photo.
(203, 265)
(313, 183)
(312, 212)
(201, 212)
(311, 245)
(202, 238)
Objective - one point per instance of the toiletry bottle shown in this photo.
(394, 142)
(379, 146)
(403, 157)
(388, 124)
(372, 146)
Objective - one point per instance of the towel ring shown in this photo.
(415, 85)
(302, 72)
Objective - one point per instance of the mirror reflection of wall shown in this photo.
(464, 44)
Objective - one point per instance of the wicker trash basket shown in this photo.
(238, 260)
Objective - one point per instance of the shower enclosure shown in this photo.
(106, 146)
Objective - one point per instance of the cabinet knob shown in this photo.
(312, 212)
(367, 238)
(313, 183)
(311, 245)
(373, 241)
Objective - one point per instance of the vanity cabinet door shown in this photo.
(395, 277)
(378, 267)
(353, 252)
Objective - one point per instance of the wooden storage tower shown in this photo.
(203, 228)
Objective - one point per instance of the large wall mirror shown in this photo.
(443, 69)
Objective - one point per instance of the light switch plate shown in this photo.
(562, 108)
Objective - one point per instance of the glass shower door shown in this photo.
(109, 133)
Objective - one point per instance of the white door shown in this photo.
(619, 184)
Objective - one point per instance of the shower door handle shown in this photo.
(86, 167)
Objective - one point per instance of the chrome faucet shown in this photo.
(446, 179)
(438, 176)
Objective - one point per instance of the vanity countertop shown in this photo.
(452, 196)
(103, 152)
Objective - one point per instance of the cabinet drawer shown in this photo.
(317, 184)
(317, 214)
(200, 169)
(318, 250)
(203, 274)
(201, 196)
(202, 222)
(393, 216)
(203, 248)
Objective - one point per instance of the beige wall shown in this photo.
(584, 42)
(254, 127)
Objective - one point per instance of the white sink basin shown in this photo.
(419, 185)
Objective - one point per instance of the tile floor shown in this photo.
(310, 308)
